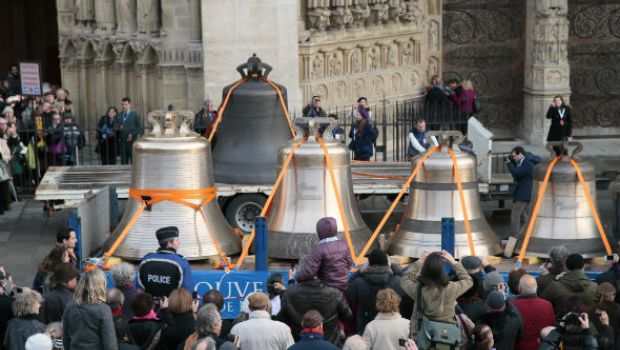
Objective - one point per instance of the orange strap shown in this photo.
(586, 191)
(541, 194)
(459, 186)
(220, 112)
(345, 224)
(404, 189)
(152, 196)
(380, 176)
(284, 107)
(265, 210)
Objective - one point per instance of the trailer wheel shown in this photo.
(242, 210)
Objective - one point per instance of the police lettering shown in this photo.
(158, 279)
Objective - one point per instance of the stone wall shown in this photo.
(379, 49)
(235, 29)
(594, 55)
(148, 50)
(483, 41)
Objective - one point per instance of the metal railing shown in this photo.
(393, 120)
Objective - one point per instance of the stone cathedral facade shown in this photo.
(518, 53)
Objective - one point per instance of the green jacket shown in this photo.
(437, 303)
(573, 283)
(131, 125)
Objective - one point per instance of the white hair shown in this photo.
(355, 342)
(123, 274)
(39, 341)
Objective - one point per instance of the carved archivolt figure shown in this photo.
(105, 16)
(148, 17)
(126, 16)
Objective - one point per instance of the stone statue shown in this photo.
(356, 62)
(105, 16)
(433, 36)
(85, 14)
(148, 17)
(126, 16)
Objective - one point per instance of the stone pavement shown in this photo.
(27, 234)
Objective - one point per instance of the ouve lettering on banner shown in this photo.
(234, 286)
(30, 75)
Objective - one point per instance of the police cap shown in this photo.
(166, 233)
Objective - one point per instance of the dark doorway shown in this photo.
(29, 32)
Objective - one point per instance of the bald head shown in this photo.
(527, 285)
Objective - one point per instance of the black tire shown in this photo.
(243, 209)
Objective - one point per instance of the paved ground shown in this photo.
(27, 234)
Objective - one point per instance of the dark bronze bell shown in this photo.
(252, 128)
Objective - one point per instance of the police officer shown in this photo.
(164, 271)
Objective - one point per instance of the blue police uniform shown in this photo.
(164, 271)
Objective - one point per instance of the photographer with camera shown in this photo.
(572, 332)
(521, 166)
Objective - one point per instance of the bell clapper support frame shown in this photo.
(543, 188)
(254, 67)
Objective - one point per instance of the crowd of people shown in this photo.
(433, 303)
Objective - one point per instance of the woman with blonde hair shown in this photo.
(466, 102)
(26, 308)
(388, 326)
(87, 322)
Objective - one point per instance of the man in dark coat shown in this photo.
(521, 167)
(504, 320)
(6, 300)
(437, 106)
(131, 129)
(14, 80)
(314, 109)
(366, 283)
(65, 279)
(314, 295)
(312, 334)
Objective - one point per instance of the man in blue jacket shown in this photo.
(164, 271)
(521, 167)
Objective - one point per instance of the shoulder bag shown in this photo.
(432, 333)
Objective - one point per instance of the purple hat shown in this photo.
(326, 227)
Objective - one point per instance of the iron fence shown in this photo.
(393, 120)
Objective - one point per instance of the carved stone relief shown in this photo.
(356, 61)
(126, 16)
(335, 65)
(148, 17)
(594, 53)
(317, 67)
(433, 36)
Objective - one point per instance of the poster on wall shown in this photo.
(30, 75)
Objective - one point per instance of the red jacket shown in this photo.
(537, 314)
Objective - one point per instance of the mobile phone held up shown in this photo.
(402, 342)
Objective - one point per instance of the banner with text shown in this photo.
(30, 74)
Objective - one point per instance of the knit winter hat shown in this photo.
(39, 341)
(492, 279)
(378, 258)
(496, 301)
(471, 262)
(574, 262)
(326, 227)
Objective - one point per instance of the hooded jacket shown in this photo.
(573, 283)
(330, 261)
(363, 289)
(523, 173)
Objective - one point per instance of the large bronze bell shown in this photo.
(252, 128)
(565, 217)
(434, 195)
(306, 194)
(172, 157)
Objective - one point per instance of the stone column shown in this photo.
(66, 16)
(196, 33)
(547, 71)
(226, 44)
